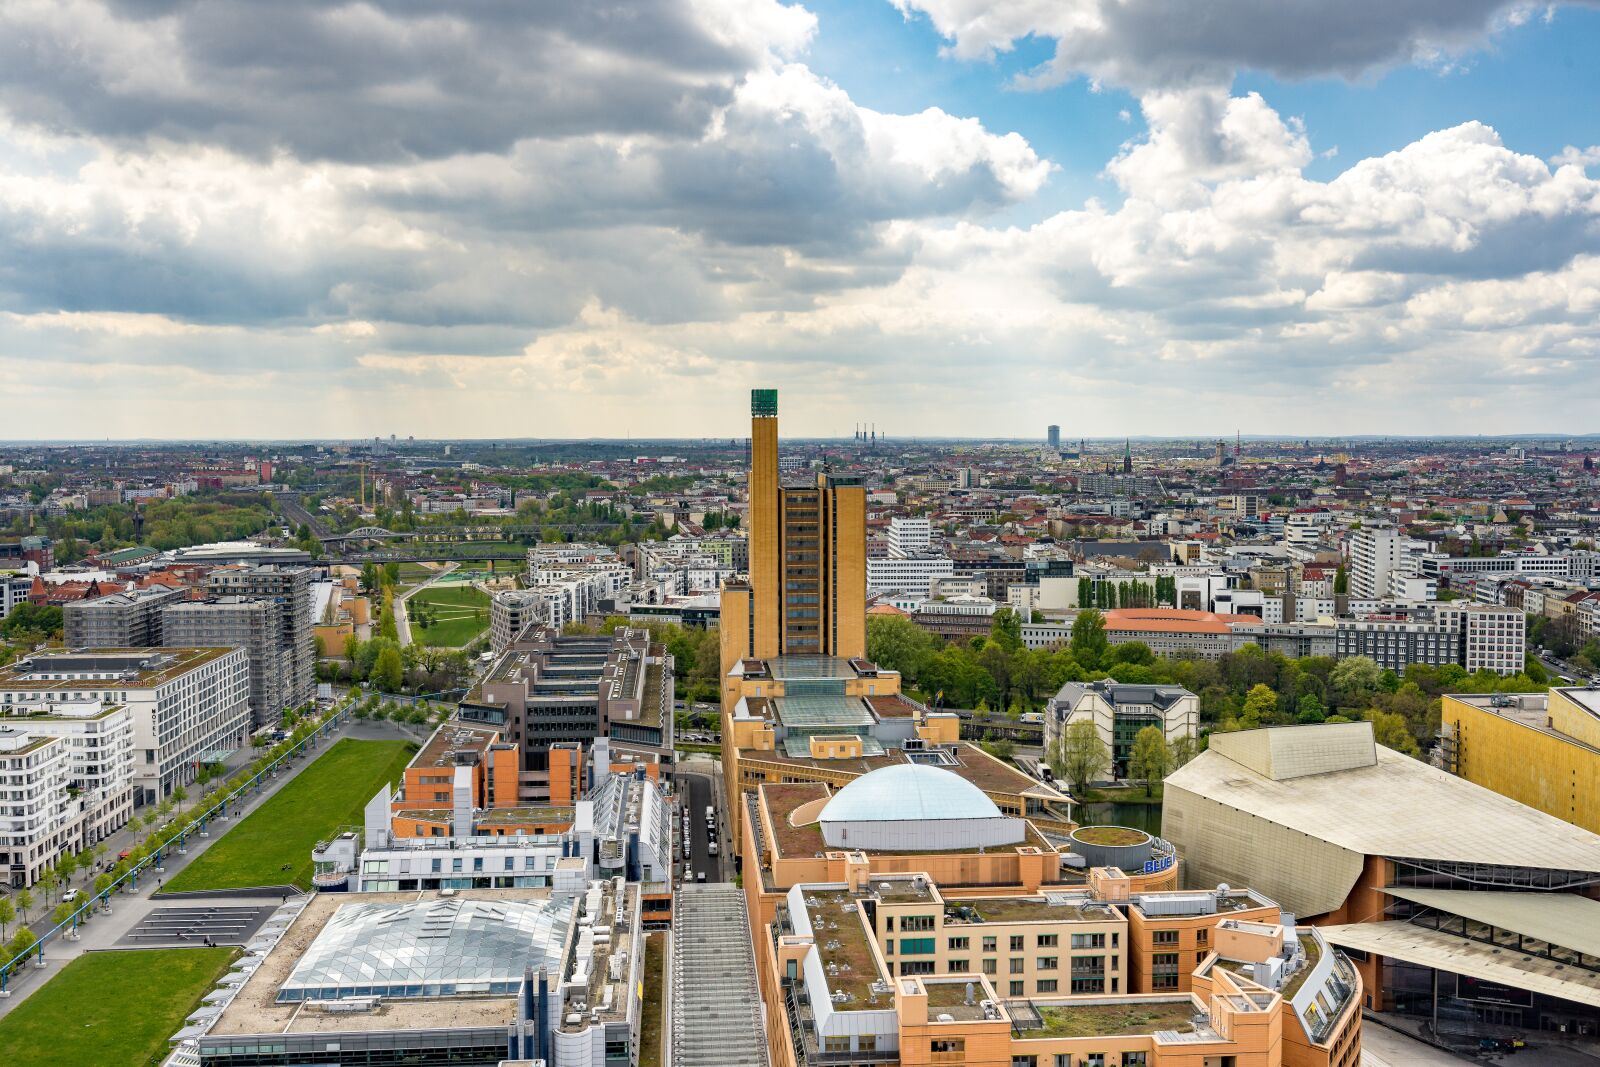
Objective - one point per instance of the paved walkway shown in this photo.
(1389, 1042)
(1382, 1047)
(128, 910)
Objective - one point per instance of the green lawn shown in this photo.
(655, 979)
(459, 613)
(111, 1009)
(325, 796)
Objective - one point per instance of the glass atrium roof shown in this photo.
(809, 711)
(797, 667)
(431, 948)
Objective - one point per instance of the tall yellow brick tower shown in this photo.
(808, 560)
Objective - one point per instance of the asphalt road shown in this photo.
(1556, 669)
(700, 790)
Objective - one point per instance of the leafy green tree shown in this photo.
(1005, 630)
(387, 627)
(1391, 731)
(48, 881)
(102, 885)
(1308, 710)
(8, 915)
(1354, 679)
(1260, 705)
(25, 903)
(369, 577)
(1184, 749)
(1132, 673)
(1089, 638)
(1151, 759)
(1078, 756)
(387, 673)
(1133, 652)
(62, 913)
(23, 943)
(1002, 748)
(42, 619)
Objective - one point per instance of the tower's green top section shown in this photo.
(764, 402)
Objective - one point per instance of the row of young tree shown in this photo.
(1238, 690)
(1161, 592)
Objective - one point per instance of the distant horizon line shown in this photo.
(1207, 439)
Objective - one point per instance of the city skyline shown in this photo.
(591, 223)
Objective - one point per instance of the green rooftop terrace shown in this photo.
(842, 940)
(1313, 952)
(1117, 1019)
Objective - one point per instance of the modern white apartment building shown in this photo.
(916, 574)
(1375, 551)
(190, 706)
(14, 590)
(1494, 638)
(37, 817)
(1312, 608)
(1412, 588)
(99, 740)
(909, 536)
(512, 609)
(1306, 529)
(572, 596)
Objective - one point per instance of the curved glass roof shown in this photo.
(430, 948)
(908, 792)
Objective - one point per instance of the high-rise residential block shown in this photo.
(909, 536)
(244, 623)
(288, 590)
(36, 826)
(1374, 552)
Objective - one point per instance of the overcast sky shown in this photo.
(286, 218)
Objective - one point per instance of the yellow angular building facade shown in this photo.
(1539, 749)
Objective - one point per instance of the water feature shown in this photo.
(1146, 817)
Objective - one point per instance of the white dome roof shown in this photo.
(908, 792)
